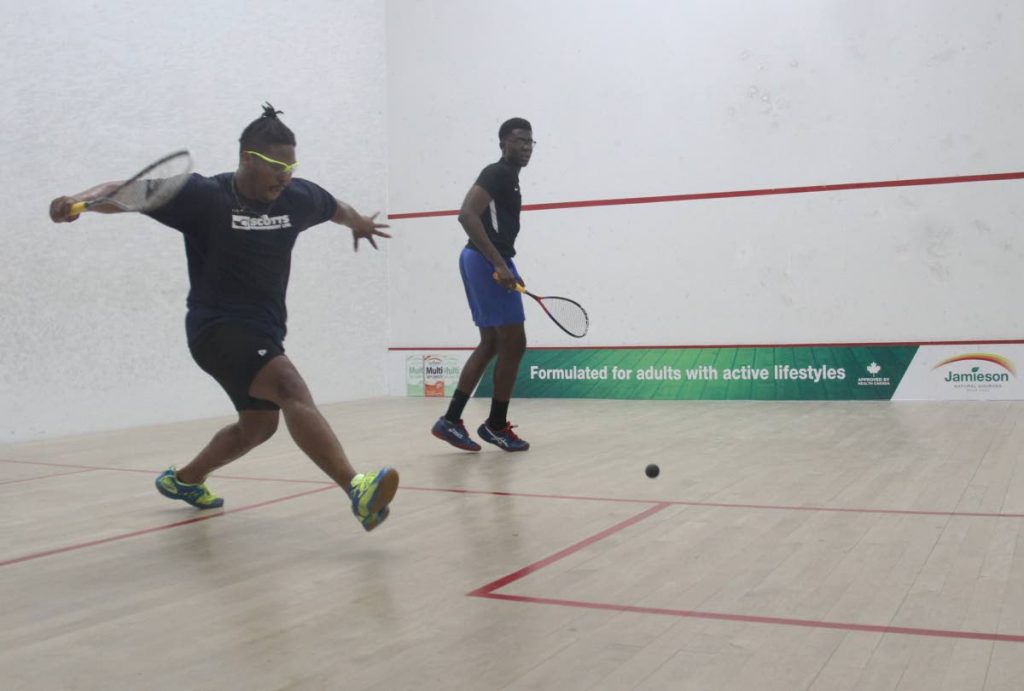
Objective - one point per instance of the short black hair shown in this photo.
(265, 131)
(513, 124)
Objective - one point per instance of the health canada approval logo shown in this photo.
(976, 371)
(875, 377)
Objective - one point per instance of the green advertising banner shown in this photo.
(734, 373)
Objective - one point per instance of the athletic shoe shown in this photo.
(454, 433)
(504, 437)
(197, 495)
(376, 519)
(371, 493)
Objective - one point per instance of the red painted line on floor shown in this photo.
(293, 481)
(154, 473)
(770, 191)
(489, 592)
(752, 619)
(725, 505)
(531, 495)
(841, 509)
(578, 497)
(562, 554)
(146, 531)
(44, 477)
(866, 344)
(83, 467)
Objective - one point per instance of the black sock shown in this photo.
(455, 408)
(499, 414)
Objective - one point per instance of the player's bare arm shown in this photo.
(60, 208)
(363, 227)
(476, 202)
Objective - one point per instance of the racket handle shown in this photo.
(77, 208)
(519, 286)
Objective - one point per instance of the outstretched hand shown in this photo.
(60, 210)
(366, 228)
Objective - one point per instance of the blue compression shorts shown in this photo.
(490, 304)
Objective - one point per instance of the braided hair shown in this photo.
(265, 131)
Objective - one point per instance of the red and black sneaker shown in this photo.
(504, 437)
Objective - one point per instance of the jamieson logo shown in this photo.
(975, 375)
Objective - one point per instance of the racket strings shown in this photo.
(155, 185)
(144, 195)
(567, 314)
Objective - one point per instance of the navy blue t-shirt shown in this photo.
(501, 218)
(239, 252)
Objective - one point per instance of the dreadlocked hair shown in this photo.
(265, 131)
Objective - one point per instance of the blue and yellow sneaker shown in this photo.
(371, 493)
(374, 520)
(198, 495)
(454, 433)
(504, 437)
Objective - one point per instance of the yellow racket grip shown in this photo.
(519, 286)
(77, 208)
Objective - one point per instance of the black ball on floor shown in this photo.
(652, 470)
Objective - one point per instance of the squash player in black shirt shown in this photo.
(239, 230)
(490, 217)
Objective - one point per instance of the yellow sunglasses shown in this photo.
(278, 166)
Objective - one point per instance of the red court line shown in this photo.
(157, 472)
(155, 529)
(727, 505)
(750, 619)
(866, 344)
(578, 497)
(562, 554)
(769, 191)
(530, 495)
(295, 481)
(44, 477)
(840, 509)
(78, 465)
(489, 592)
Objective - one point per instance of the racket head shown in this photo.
(154, 185)
(568, 315)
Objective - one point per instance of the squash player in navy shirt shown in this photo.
(239, 230)
(490, 217)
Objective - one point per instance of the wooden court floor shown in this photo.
(810, 545)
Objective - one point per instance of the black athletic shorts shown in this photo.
(233, 353)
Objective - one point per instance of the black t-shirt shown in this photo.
(501, 218)
(239, 255)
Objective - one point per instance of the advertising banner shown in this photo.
(980, 372)
(432, 374)
(731, 373)
(844, 372)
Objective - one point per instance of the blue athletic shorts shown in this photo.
(490, 304)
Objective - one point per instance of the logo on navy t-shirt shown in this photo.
(264, 222)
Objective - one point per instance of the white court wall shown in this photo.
(93, 312)
(628, 99)
(655, 97)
